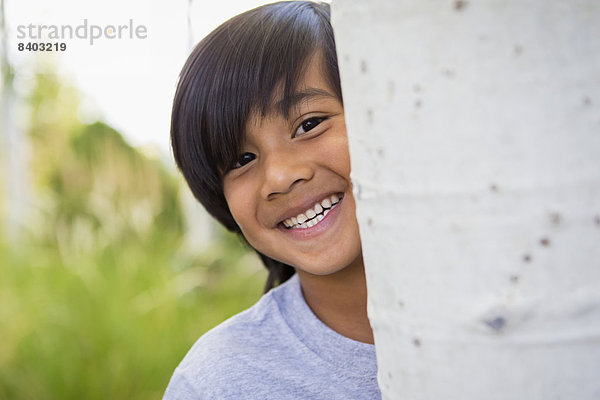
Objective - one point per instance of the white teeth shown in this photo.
(314, 215)
(318, 208)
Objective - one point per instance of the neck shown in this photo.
(339, 300)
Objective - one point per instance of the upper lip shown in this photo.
(302, 205)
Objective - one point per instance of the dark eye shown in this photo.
(308, 124)
(244, 159)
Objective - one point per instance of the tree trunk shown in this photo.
(475, 143)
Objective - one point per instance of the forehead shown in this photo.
(315, 76)
(312, 85)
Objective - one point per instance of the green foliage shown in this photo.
(92, 182)
(100, 300)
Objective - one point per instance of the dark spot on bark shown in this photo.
(401, 304)
(448, 73)
(527, 258)
(494, 188)
(357, 190)
(380, 152)
(370, 222)
(518, 49)
(369, 116)
(545, 242)
(555, 219)
(497, 324)
(363, 66)
(418, 103)
(389, 374)
(587, 101)
(346, 57)
(460, 5)
(514, 279)
(597, 220)
(417, 342)
(417, 88)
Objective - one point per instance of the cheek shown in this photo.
(336, 151)
(238, 204)
(242, 205)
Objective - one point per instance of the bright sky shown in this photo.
(129, 83)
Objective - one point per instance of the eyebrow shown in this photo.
(297, 97)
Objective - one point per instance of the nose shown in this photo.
(282, 170)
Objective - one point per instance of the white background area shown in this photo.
(129, 83)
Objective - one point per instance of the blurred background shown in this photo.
(109, 270)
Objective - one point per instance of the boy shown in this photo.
(258, 132)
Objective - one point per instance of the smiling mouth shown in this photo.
(314, 215)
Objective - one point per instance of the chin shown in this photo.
(325, 266)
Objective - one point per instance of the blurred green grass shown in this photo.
(100, 298)
(112, 323)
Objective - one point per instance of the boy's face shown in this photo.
(295, 169)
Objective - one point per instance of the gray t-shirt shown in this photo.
(277, 349)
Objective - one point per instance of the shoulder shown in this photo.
(244, 333)
(277, 349)
(229, 355)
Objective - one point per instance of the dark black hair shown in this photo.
(234, 72)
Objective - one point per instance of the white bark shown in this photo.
(475, 143)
